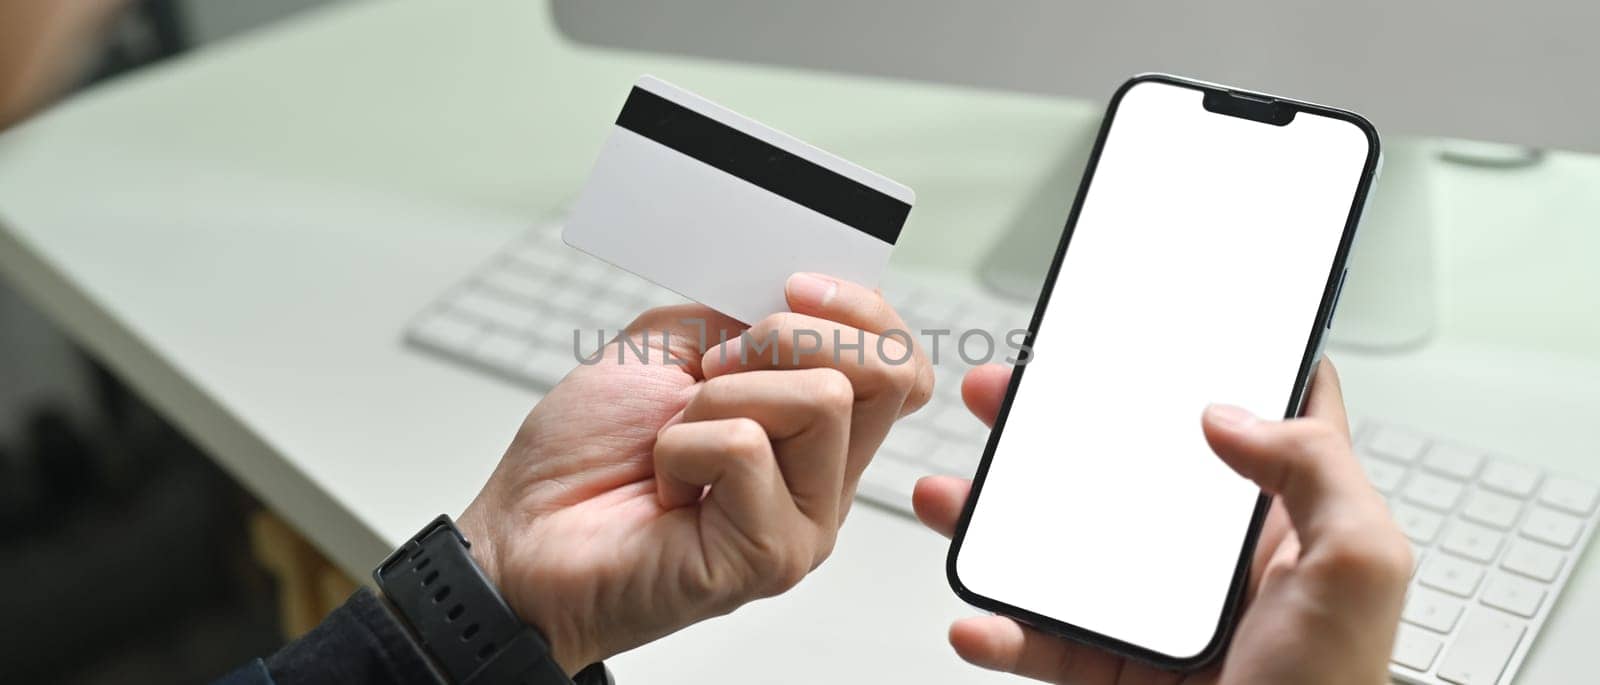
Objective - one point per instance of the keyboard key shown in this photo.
(936, 312)
(538, 257)
(1482, 647)
(1432, 610)
(1456, 576)
(932, 415)
(1008, 330)
(617, 314)
(1384, 475)
(1395, 444)
(967, 430)
(947, 375)
(1358, 427)
(1570, 495)
(563, 313)
(501, 350)
(520, 283)
(1433, 492)
(1517, 480)
(1453, 461)
(1418, 524)
(446, 330)
(578, 308)
(499, 311)
(1534, 560)
(1493, 510)
(910, 442)
(1415, 649)
(893, 476)
(1554, 527)
(1472, 541)
(1518, 596)
(956, 459)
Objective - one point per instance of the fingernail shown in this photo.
(1229, 416)
(811, 289)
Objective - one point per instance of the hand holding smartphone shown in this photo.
(1201, 264)
(1328, 578)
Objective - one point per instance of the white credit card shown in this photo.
(722, 209)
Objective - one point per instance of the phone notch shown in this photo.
(1260, 108)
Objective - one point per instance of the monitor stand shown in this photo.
(1390, 298)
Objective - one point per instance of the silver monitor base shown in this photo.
(1390, 299)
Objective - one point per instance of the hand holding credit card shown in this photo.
(722, 209)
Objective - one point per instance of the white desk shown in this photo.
(242, 235)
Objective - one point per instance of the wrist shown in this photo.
(475, 528)
(458, 615)
(481, 547)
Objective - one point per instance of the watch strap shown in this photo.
(595, 674)
(459, 617)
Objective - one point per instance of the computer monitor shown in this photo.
(1473, 69)
(1512, 72)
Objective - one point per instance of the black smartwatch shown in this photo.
(460, 620)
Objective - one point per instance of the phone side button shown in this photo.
(1338, 290)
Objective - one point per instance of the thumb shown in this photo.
(1306, 461)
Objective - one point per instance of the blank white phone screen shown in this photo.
(1193, 276)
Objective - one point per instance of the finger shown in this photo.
(677, 335)
(733, 458)
(857, 306)
(789, 340)
(1375, 538)
(1305, 461)
(938, 501)
(746, 520)
(1326, 400)
(984, 388)
(806, 415)
(1001, 644)
(881, 369)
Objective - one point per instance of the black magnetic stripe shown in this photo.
(763, 164)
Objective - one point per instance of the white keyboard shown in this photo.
(515, 317)
(1495, 540)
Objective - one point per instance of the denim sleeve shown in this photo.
(253, 673)
(360, 642)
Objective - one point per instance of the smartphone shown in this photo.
(1200, 263)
